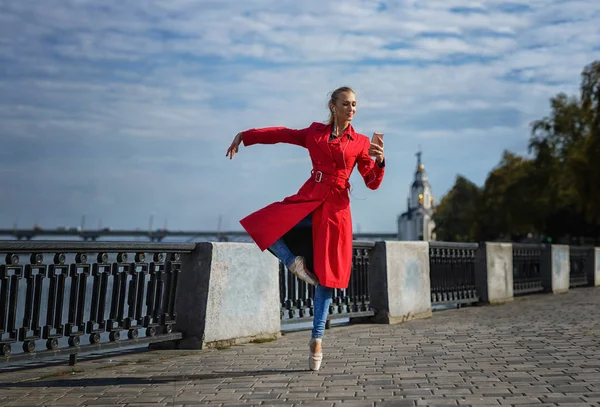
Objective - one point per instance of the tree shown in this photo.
(587, 162)
(555, 192)
(455, 215)
(506, 209)
(566, 145)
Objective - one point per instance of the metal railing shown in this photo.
(452, 273)
(527, 268)
(579, 256)
(54, 293)
(296, 296)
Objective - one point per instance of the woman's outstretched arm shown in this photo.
(267, 135)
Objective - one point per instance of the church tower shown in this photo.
(417, 223)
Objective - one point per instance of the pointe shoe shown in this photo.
(298, 268)
(316, 353)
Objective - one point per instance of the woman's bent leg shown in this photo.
(295, 264)
(283, 253)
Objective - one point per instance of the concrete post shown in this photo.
(594, 267)
(228, 294)
(399, 284)
(494, 272)
(556, 269)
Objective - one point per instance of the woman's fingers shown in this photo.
(375, 149)
(231, 151)
(234, 147)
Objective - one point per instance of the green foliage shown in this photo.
(553, 194)
(455, 215)
(505, 209)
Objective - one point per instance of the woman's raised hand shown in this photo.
(377, 152)
(235, 145)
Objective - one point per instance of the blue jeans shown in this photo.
(322, 300)
(322, 294)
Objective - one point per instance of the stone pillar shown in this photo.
(594, 267)
(399, 285)
(556, 269)
(228, 293)
(494, 272)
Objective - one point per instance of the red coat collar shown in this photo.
(349, 132)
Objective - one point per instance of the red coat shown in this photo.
(325, 195)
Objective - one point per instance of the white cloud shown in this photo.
(153, 91)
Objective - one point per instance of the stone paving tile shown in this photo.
(536, 351)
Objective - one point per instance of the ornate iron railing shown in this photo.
(54, 293)
(297, 296)
(579, 256)
(527, 268)
(452, 273)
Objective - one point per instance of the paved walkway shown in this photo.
(542, 349)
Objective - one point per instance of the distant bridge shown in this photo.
(152, 235)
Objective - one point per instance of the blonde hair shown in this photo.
(334, 98)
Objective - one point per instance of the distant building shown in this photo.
(416, 223)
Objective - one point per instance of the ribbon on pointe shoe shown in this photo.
(315, 358)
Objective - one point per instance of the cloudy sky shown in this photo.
(124, 109)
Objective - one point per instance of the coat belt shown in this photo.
(328, 179)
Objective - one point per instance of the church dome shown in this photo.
(417, 223)
(420, 174)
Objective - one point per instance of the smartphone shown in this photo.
(377, 139)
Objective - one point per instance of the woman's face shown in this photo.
(345, 106)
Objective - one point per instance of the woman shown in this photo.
(312, 230)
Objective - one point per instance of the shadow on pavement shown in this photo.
(16, 367)
(124, 381)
